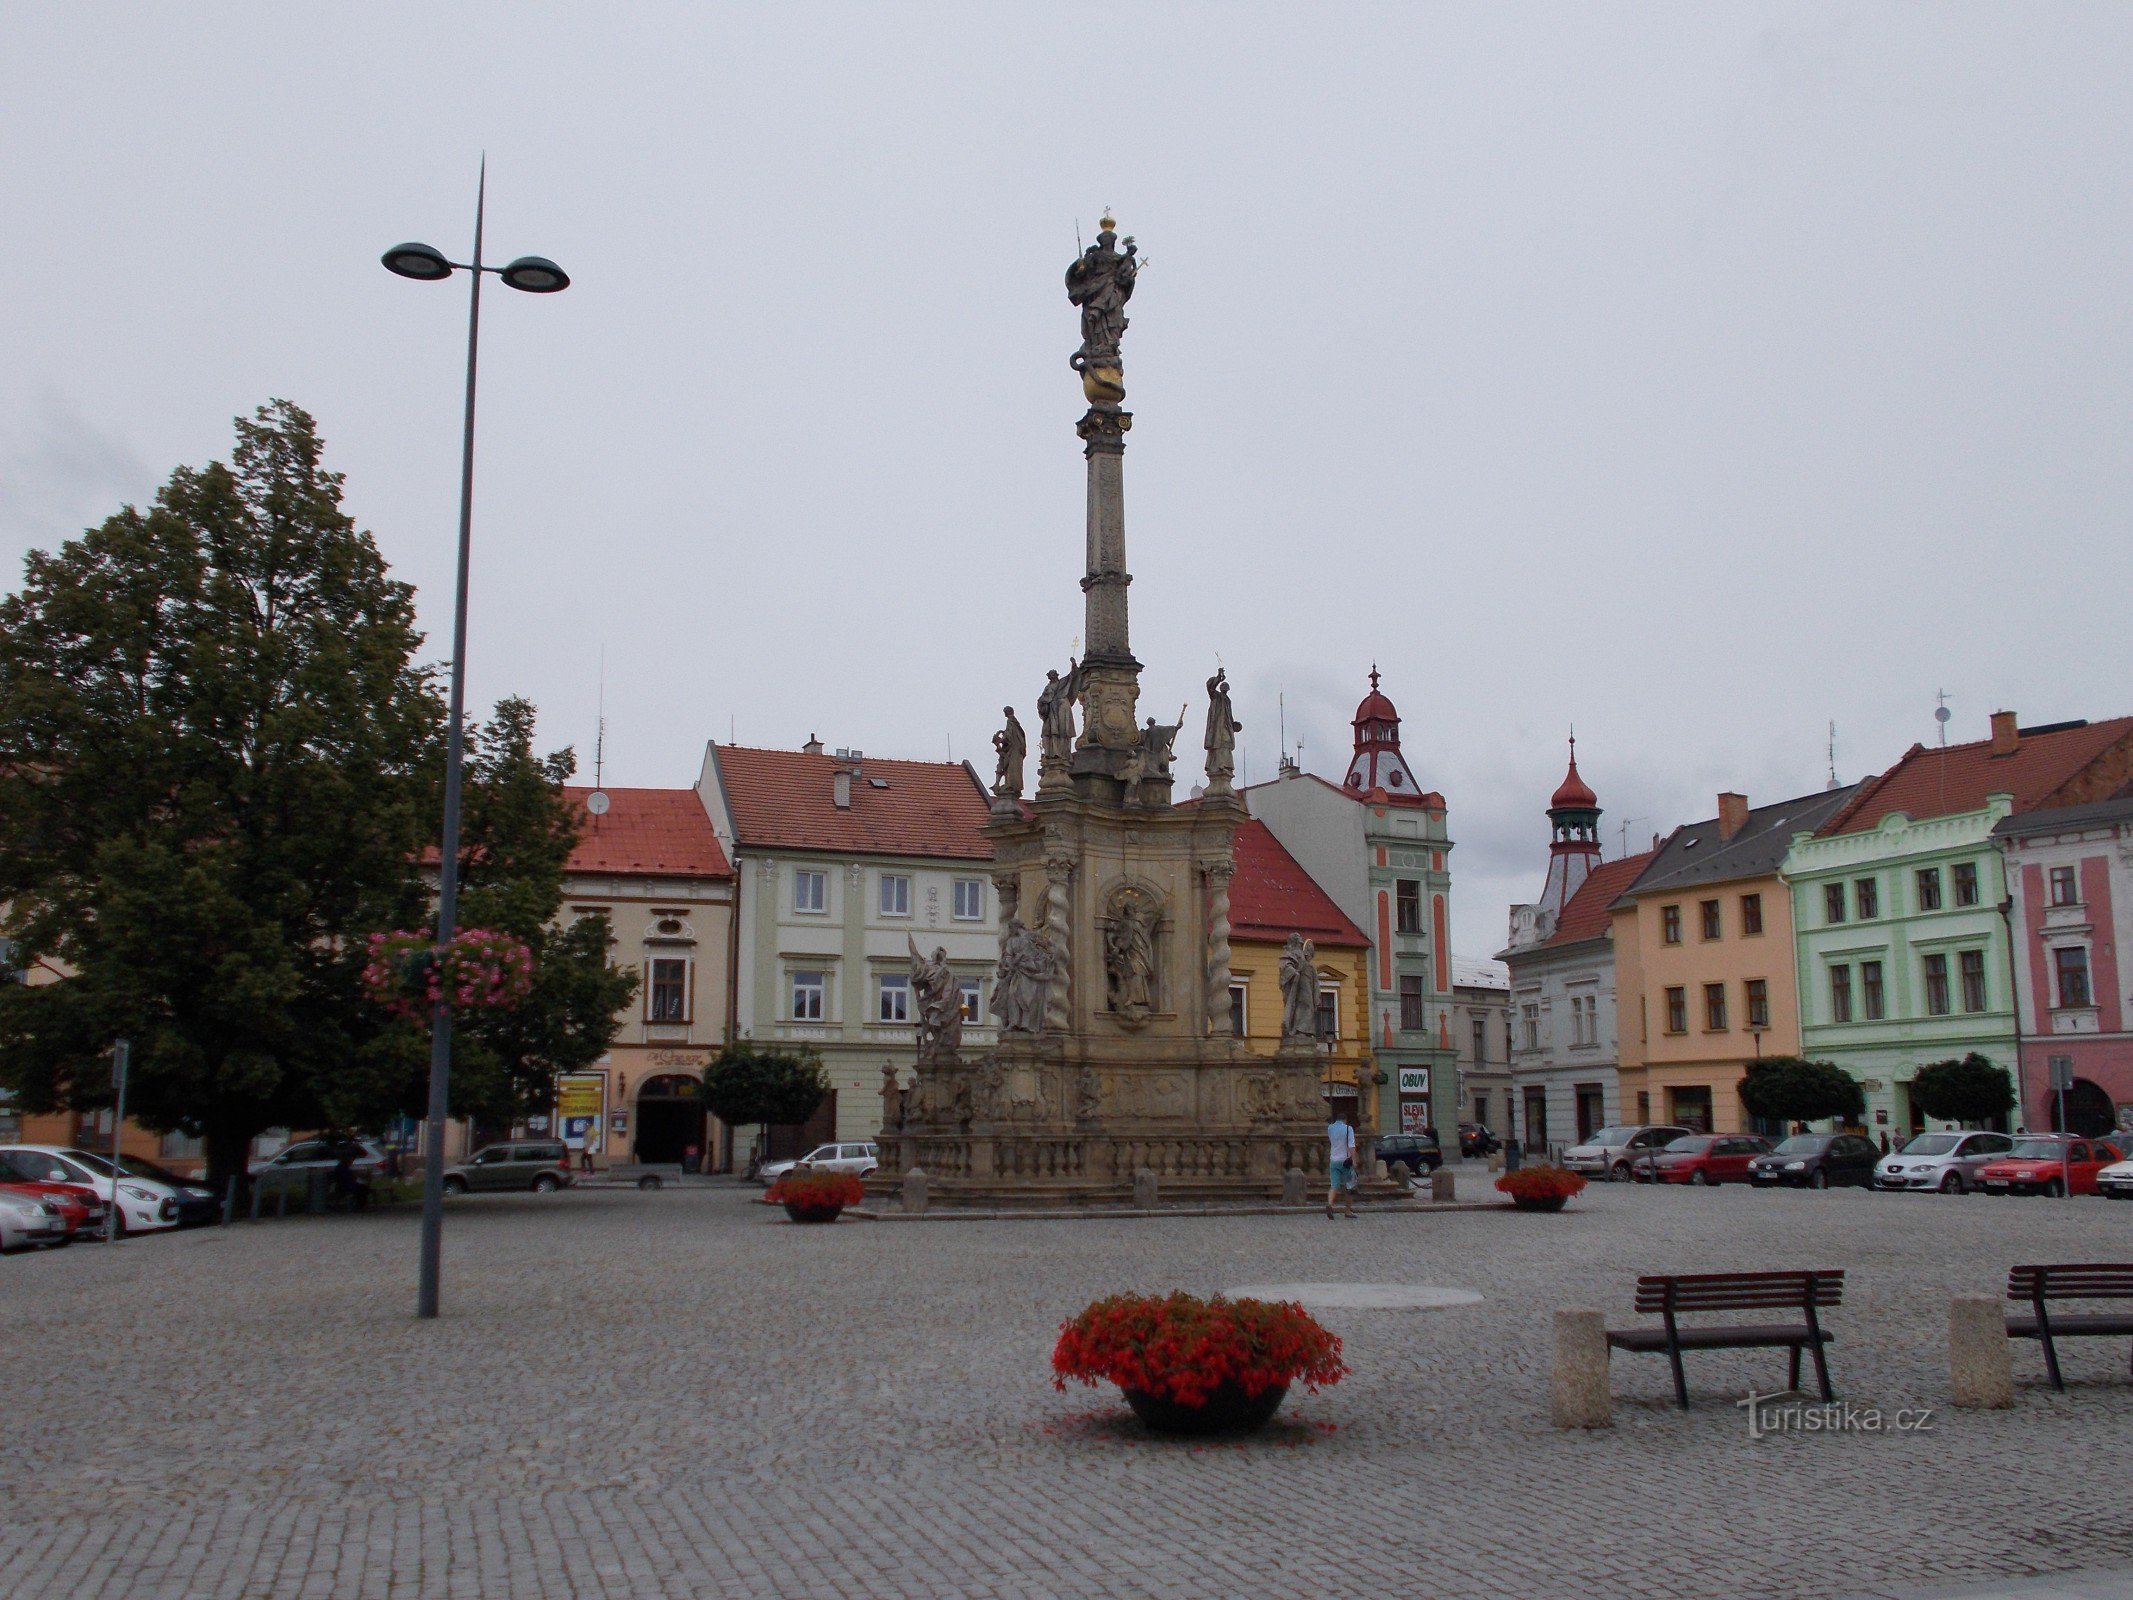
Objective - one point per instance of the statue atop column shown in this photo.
(1055, 715)
(1299, 989)
(1222, 730)
(1100, 282)
(1012, 744)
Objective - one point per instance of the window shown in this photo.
(1529, 1025)
(1832, 902)
(1966, 883)
(893, 999)
(2071, 963)
(809, 990)
(969, 905)
(1714, 1007)
(1936, 986)
(1411, 1001)
(1670, 924)
(1239, 1008)
(1973, 964)
(1329, 1013)
(1867, 891)
(1584, 1019)
(1758, 1003)
(1407, 905)
(669, 993)
(1709, 911)
(1677, 1011)
(1870, 992)
(2063, 891)
(968, 989)
(1751, 914)
(1929, 888)
(1840, 994)
(1481, 1043)
(810, 892)
(895, 895)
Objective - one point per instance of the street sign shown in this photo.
(2062, 1071)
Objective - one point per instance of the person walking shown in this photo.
(1340, 1164)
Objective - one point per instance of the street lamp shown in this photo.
(535, 275)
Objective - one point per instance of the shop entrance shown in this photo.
(2089, 1112)
(670, 1118)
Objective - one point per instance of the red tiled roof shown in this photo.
(1586, 917)
(785, 800)
(2042, 769)
(655, 833)
(1272, 896)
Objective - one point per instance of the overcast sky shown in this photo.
(1697, 374)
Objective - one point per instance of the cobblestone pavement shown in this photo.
(680, 1394)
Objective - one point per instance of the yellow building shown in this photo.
(1271, 897)
(1705, 980)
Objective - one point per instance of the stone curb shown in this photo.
(1397, 1207)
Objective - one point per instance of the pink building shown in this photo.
(2070, 876)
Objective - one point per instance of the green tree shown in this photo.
(1790, 1089)
(748, 1084)
(1970, 1091)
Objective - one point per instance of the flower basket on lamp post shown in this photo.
(1541, 1188)
(809, 1195)
(410, 975)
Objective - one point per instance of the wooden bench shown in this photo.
(1671, 1295)
(2039, 1285)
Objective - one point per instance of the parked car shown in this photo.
(80, 1207)
(541, 1165)
(1409, 1154)
(2116, 1180)
(27, 1223)
(1944, 1162)
(858, 1158)
(1476, 1140)
(144, 1204)
(295, 1165)
(1701, 1158)
(1816, 1161)
(1613, 1151)
(2049, 1163)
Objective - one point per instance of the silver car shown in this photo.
(858, 1158)
(1610, 1152)
(26, 1223)
(1946, 1163)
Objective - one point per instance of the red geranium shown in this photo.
(1541, 1183)
(812, 1189)
(1181, 1348)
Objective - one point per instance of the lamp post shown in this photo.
(535, 275)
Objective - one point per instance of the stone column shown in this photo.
(1218, 952)
(1980, 1362)
(1580, 1395)
(1058, 934)
(1111, 692)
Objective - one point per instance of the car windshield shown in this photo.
(1612, 1136)
(148, 1169)
(1932, 1144)
(1804, 1144)
(96, 1164)
(1691, 1145)
(2037, 1149)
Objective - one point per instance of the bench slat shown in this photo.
(1739, 1291)
(1743, 1337)
(2071, 1281)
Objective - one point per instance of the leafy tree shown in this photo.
(749, 1084)
(1969, 1091)
(1790, 1089)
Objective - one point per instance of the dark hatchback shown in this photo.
(1409, 1154)
(1816, 1161)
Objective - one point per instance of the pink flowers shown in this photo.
(410, 976)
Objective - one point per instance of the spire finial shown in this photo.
(1573, 744)
(1373, 676)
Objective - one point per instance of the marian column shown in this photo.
(1100, 282)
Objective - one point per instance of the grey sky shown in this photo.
(1697, 374)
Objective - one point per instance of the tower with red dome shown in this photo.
(1574, 845)
(1377, 763)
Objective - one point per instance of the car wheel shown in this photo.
(1619, 1173)
(649, 1181)
(1820, 1180)
(2055, 1190)
(546, 1183)
(1696, 1178)
(455, 1185)
(1953, 1184)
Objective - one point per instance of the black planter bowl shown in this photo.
(1228, 1410)
(812, 1213)
(1545, 1202)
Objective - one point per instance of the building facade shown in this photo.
(1481, 1033)
(1902, 948)
(1705, 977)
(2070, 874)
(846, 861)
(1377, 844)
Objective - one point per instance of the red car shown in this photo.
(2048, 1163)
(1701, 1158)
(81, 1208)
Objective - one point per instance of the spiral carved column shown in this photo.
(1218, 1019)
(1058, 874)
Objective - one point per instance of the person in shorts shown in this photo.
(1340, 1164)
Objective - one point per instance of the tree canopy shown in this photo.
(1791, 1089)
(749, 1083)
(1970, 1091)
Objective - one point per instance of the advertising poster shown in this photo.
(581, 1108)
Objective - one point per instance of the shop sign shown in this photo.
(1414, 1116)
(1414, 1080)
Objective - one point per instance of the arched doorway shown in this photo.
(670, 1118)
(2089, 1112)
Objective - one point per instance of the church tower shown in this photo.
(1377, 763)
(1574, 848)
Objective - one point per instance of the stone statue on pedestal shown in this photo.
(1129, 956)
(1299, 989)
(1055, 714)
(1222, 730)
(892, 1099)
(1012, 744)
(940, 1005)
(1100, 282)
(1022, 983)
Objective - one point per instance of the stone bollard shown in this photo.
(1145, 1192)
(1495, 1160)
(915, 1192)
(1980, 1361)
(1440, 1185)
(1292, 1187)
(1580, 1396)
(1384, 1173)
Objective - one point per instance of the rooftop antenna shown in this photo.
(1833, 783)
(597, 802)
(1941, 714)
(1626, 821)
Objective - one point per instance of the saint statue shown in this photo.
(892, 1099)
(940, 1005)
(1299, 989)
(1222, 730)
(1013, 746)
(1129, 957)
(1055, 713)
(1023, 979)
(1100, 282)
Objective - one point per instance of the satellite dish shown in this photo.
(1942, 713)
(597, 802)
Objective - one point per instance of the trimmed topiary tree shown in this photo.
(749, 1083)
(1970, 1091)
(1791, 1089)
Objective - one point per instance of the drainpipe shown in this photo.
(733, 989)
(2014, 995)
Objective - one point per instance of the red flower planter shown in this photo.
(1544, 1202)
(1541, 1188)
(800, 1213)
(811, 1196)
(1228, 1410)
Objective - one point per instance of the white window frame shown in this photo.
(885, 985)
(1329, 991)
(972, 991)
(821, 989)
(688, 991)
(1240, 1006)
(976, 888)
(820, 879)
(881, 894)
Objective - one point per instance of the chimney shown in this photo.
(813, 747)
(1732, 814)
(841, 789)
(2005, 736)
